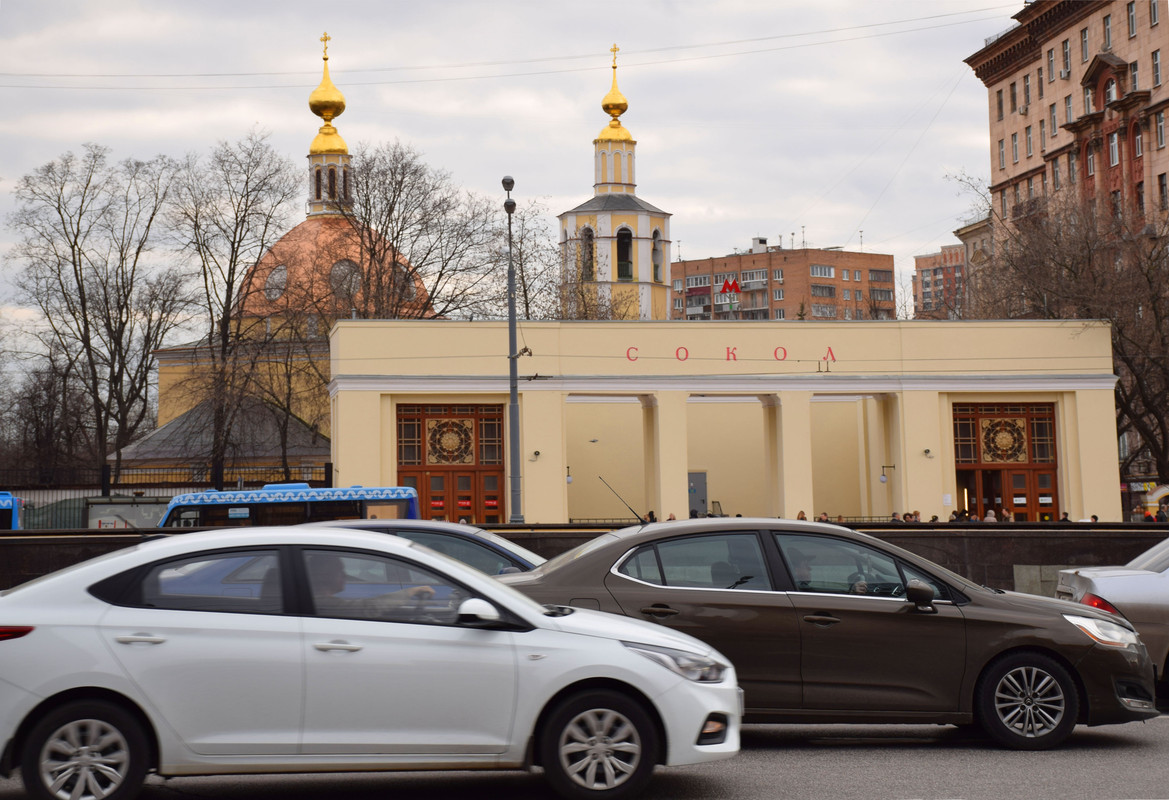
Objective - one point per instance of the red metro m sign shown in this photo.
(730, 285)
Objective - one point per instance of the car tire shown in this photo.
(87, 750)
(599, 744)
(1027, 701)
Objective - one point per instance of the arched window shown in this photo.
(624, 255)
(658, 255)
(587, 255)
(332, 183)
(345, 280)
(317, 182)
(345, 182)
(276, 283)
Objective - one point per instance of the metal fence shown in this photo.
(60, 498)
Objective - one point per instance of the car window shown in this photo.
(236, 581)
(941, 591)
(717, 561)
(368, 586)
(473, 554)
(1155, 559)
(838, 566)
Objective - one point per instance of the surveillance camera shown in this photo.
(536, 453)
(927, 451)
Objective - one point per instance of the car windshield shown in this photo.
(509, 545)
(576, 552)
(1155, 559)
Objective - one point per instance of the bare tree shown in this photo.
(425, 246)
(228, 210)
(87, 230)
(536, 259)
(1072, 259)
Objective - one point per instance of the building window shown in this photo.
(1003, 203)
(624, 255)
(1031, 188)
(823, 271)
(1055, 175)
(823, 311)
(1027, 137)
(317, 183)
(1042, 135)
(1110, 91)
(1159, 124)
(880, 295)
(1026, 90)
(1084, 45)
(998, 96)
(1138, 147)
(695, 281)
(588, 255)
(847, 294)
(1132, 19)
(332, 183)
(678, 285)
(1114, 199)
(678, 304)
(777, 294)
(1113, 149)
(1071, 167)
(1154, 12)
(820, 290)
(1141, 198)
(1039, 82)
(1050, 64)
(1163, 190)
(1067, 109)
(1107, 45)
(1018, 193)
(1087, 99)
(779, 313)
(1015, 148)
(1014, 98)
(656, 256)
(878, 276)
(1134, 76)
(777, 275)
(1054, 122)
(1002, 154)
(1067, 56)
(1156, 67)
(1090, 162)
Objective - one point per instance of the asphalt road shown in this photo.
(788, 762)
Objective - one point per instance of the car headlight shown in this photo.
(691, 666)
(1104, 632)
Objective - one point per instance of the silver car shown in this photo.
(1139, 592)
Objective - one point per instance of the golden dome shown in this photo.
(615, 104)
(327, 102)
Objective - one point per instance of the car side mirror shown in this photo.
(475, 612)
(921, 595)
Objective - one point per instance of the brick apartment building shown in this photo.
(938, 280)
(1077, 100)
(774, 283)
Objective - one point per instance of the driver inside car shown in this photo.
(327, 578)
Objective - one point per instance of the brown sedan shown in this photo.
(824, 624)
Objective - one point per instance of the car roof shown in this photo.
(380, 524)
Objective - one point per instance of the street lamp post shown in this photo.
(515, 513)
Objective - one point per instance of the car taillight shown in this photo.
(1095, 601)
(13, 631)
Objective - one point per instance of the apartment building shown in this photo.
(938, 280)
(773, 283)
(1077, 101)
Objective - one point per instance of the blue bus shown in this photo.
(10, 508)
(288, 504)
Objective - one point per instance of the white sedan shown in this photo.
(313, 650)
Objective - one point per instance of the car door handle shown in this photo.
(659, 611)
(823, 620)
(140, 638)
(345, 646)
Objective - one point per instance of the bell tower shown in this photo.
(615, 248)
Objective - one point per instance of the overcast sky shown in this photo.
(822, 118)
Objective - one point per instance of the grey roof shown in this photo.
(615, 202)
(255, 435)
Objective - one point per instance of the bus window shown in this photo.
(387, 509)
(322, 510)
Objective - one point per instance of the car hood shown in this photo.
(1036, 602)
(602, 624)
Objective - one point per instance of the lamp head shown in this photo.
(508, 183)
